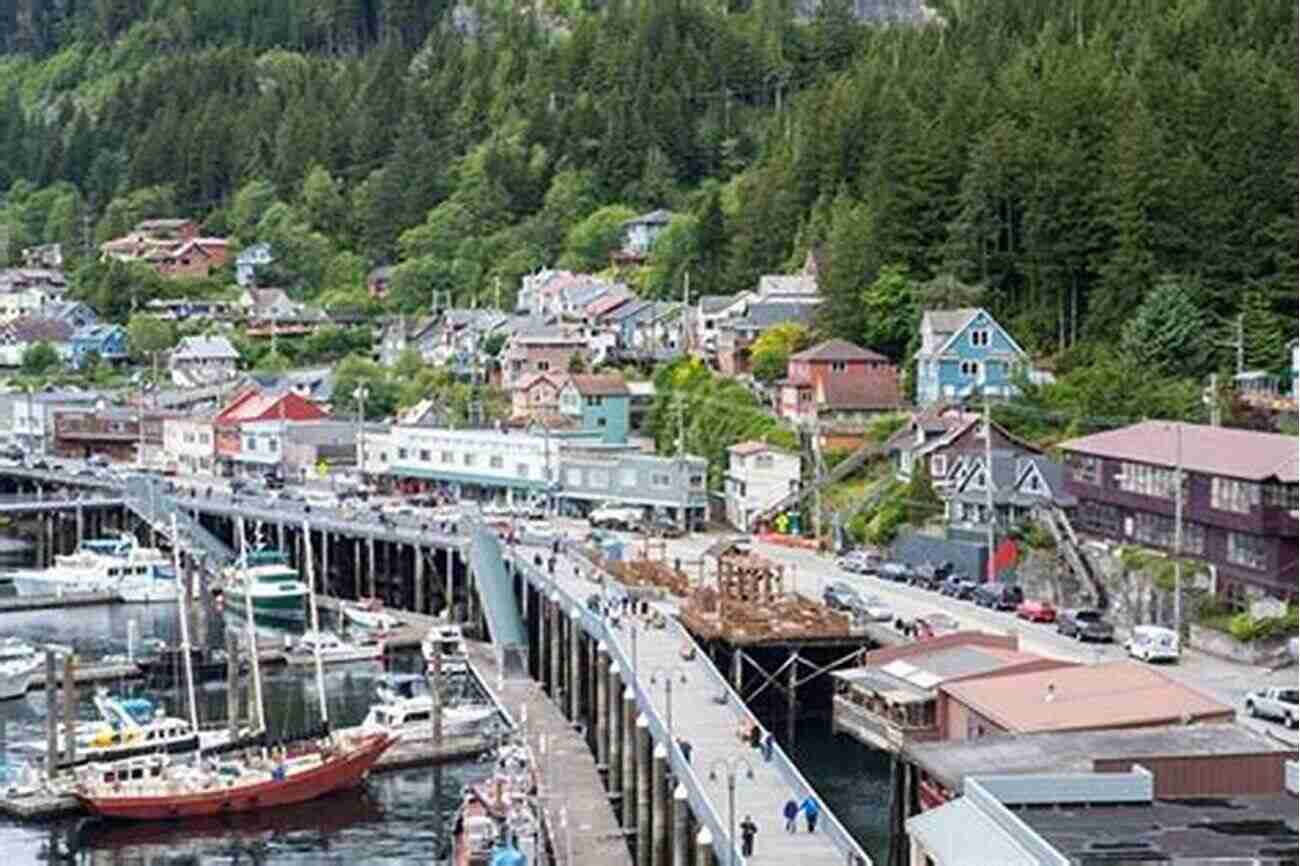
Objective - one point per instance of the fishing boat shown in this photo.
(264, 580)
(405, 707)
(332, 649)
(369, 614)
(498, 814)
(19, 661)
(101, 565)
(282, 777)
(445, 644)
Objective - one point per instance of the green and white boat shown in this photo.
(273, 585)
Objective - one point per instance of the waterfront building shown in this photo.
(189, 444)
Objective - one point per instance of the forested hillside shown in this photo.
(1058, 161)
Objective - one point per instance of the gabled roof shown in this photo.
(607, 302)
(29, 329)
(268, 297)
(204, 347)
(837, 350)
(953, 322)
(97, 332)
(633, 309)
(714, 303)
(754, 446)
(763, 315)
(783, 284)
(599, 386)
(556, 380)
(1224, 451)
(659, 217)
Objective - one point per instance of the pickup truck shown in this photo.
(614, 517)
(1279, 704)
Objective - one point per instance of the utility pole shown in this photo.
(1241, 343)
(686, 313)
(819, 467)
(1216, 414)
(988, 483)
(681, 452)
(1178, 528)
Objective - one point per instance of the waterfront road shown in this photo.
(811, 572)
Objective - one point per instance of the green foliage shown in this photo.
(148, 334)
(770, 354)
(882, 525)
(1167, 333)
(890, 311)
(589, 243)
(675, 251)
(923, 504)
(1245, 628)
(39, 358)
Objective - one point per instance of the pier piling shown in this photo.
(644, 793)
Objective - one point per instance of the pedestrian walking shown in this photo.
(748, 830)
(685, 745)
(791, 813)
(755, 736)
(768, 744)
(810, 812)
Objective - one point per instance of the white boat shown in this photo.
(101, 565)
(405, 708)
(445, 642)
(369, 614)
(19, 661)
(333, 649)
(275, 589)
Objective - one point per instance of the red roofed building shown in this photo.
(839, 381)
(254, 404)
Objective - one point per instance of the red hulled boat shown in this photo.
(183, 792)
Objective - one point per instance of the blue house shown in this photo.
(106, 341)
(965, 353)
(601, 403)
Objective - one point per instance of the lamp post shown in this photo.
(666, 676)
(361, 393)
(632, 630)
(731, 768)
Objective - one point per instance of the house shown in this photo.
(251, 405)
(110, 431)
(107, 342)
(561, 293)
(641, 401)
(297, 449)
(1239, 498)
(315, 384)
(1115, 694)
(891, 700)
(251, 258)
(52, 282)
(671, 486)
(472, 463)
(946, 438)
(400, 333)
(1020, 484)
(378, 281)
(1115, 815)
(537, 394)
(758, 475)
(709, 312)
(265, 303)
(549, 349)
(736, 336)
(189, 444)
(839, 381)
(965, 353)
(270, 312)
(640, 234)
(172, 247)
(75, 313)
(598, 403)
(27, 415)
(198, 361)
(28, 301)
(458, 335)
(44, 257)
(20, 334)
(181, 309)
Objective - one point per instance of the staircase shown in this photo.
(144, 497)
(842, 470)
(1053, 517)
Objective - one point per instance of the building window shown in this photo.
(469, 459)
(1229, 494)
(839, 366)
(1146, 480)
(272, 444)
(764, 461)
(426, 456)
(970, 368)
(938, 466)
(627, 477)
(250, 444)
(598, 478)
(521, 469)
(697, 481)
(573, 477)
(543, 366)
(600, 422)
(496, 462)
(1247, 550)
(1282, 496)
(1158, 531)
(1100, 518)
(402, 453)
(1086, 470)
(448, 457)
(979, 338)
(661, 479)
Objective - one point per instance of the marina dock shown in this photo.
(21, 603)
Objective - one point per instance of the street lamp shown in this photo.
(666, 676)
(731, 769)
(360, 394)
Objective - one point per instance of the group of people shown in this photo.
(791, 812)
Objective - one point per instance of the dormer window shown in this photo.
(979, 338)
(839, 366)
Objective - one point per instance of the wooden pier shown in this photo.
(21, 603)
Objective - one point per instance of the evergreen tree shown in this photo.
(852, 266)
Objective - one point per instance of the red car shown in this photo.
(1036, 611)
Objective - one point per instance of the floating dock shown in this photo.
(22, 603)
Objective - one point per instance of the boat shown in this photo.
(102, 565)
(405, 706)
(265, 579)
(369, 614)
(303, 772)
(166, 665)
(445, 644)
(498, 814)
(19, 661)
(332, 649)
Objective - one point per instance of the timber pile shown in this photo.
(648, 573)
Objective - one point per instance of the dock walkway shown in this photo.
(569, 779)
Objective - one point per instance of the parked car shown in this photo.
(929, 575)
(1084, 625)
(895, 571)
(958, 587)
(320, 498)
(934, 625)
(273, 482)
(998, 596)
(1279, 704)
(1036, 610)
(614, 517)
(841, 596)
(858, 561)
(875, 609)
(1153, 643)
(662, 527)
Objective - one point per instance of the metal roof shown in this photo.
(1200, 448)
(961, 834)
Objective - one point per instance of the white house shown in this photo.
(249, 260)
(189, 444)
(757, 476)
(200, 361)
(474, 463)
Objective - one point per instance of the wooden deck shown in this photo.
(569, 779)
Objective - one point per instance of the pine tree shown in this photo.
(851, 268)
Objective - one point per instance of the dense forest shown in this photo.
(1110, 175)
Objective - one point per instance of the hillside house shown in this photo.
(537, 394)
(640, 234)
(947, 439)
(965, 353)
(1020, 484)
(249, 260)
(542, 350)
(838, 381)
(172, 247)
(600, 403)
(736, 336)
(199, 361)
(107, 342)
(758, 475)
(20, 334)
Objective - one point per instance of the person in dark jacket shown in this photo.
(748, 830)
(810, 812)
(791, 813)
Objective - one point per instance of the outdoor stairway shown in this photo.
(842, 470)
(497, 595)
(1053, 517)
(150, 504)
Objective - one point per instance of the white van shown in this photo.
(320, 499)
(1153, 643)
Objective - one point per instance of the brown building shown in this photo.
(1239, 497)
(839, 381)
(891, 701)
(111, 432)
(1119, 694)
(172, 247)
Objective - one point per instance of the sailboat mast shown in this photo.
(182, 604)
(256, 669)
(315, 624)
